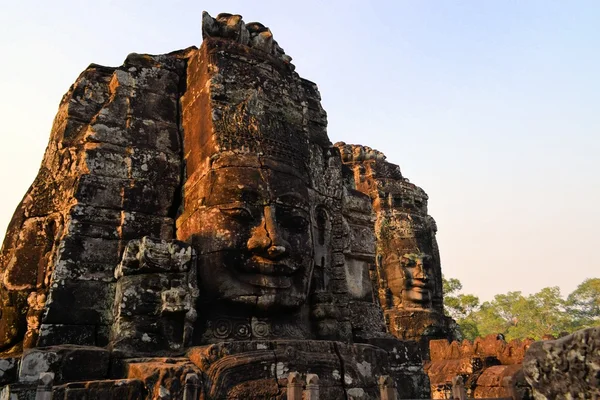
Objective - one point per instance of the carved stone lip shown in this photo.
(418, 285)
(268, 267)
(267, 281)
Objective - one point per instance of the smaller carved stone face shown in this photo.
(410, 279)
(255, 241)
(417, 280)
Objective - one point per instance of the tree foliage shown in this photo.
(517, 316)
(584, 304)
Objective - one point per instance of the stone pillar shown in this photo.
(44, 388)
(387, 388)
(458, 388)
(294, 387)
(192, 387)
(312, 387)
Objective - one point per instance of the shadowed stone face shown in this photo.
(416, 285)
(408, 258)
(257, 237)
(410, 279)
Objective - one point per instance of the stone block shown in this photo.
(75, 302)
(148, 133)
(145, 196)
(100, 191)
(367, 320)
(149, 255)
(401, 352)
(59, 334)
(68, 363)
(94, 222)
(363, 364)
(122, 389)
(84, 271)
(90, 250)
(151, 79)
(126, 194)
(9, 368)
(19, 391)
(166, 61)
(116, 111)
(162, 168)
(566, 367)
(163, 378)
(141, 294)
(156, 106)
(136, 225)
(106, 160)
(102, 335)
(89, 94)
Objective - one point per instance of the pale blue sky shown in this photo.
(491, 106)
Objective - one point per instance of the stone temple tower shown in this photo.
(193, 232)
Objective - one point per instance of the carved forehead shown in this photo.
(254, 185)
(229, 184)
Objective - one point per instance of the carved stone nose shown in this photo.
(259, 241)
(276, 251)
(266, 238)
(420, 272)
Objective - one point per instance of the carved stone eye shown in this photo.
(299, 223)
(238, 213)
(292, 220)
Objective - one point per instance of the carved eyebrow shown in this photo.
(249, 195)
(292, 197)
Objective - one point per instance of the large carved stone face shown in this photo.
(255, 242)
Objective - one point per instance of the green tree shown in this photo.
(500, 314)
(460, 307)
(517, 316)
(583, 304)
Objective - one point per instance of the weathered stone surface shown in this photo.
(19, 391)
(155, 301)
(502, 381)
(111, 155)
(565, 368)
(68, 363)
(163, 378)
(55, 334)
(507, 353)
(9, 368)
(236, 369)
(126, 389)
(408, 277)
(271, 252)
(490, 367)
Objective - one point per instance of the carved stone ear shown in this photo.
(210, 26)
